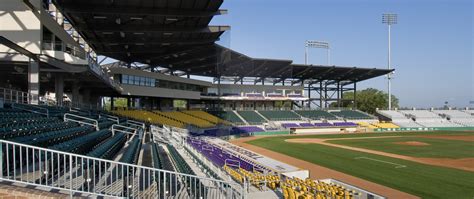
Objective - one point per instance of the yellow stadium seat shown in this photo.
(206, 116)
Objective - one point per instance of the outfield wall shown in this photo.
(426, 129)
(270, 133)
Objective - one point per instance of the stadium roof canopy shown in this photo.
(147, 31)
(177, 35)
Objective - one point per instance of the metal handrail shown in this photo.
(15, 96)
(136, 123)
(110, 117)
(31, 165)
(94, 123)
(114, 129)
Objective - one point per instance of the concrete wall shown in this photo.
(244, 88)
(159, 92)
(159, 76)
(23, 26)
(20, 25)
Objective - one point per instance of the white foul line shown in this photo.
(396, 167)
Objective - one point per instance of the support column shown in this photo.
(219, 86)
(59, 89)
(354, 105)
(112, 103)
(321, 94)
(338, 94)
(75, 93)
(128, 102)
(87, 97)
(325, 95)
(33, 82)
(309, 95)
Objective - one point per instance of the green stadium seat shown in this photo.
(280, 115)
(252, 117)
(316, 114)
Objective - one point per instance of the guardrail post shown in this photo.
(70, 176)
(1, 159)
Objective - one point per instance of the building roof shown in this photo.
(177, 35)
(146, 31)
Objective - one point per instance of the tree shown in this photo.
(368, 100)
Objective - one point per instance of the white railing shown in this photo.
(110, 117)
(16, 96)
(120, 128)
(137, 124)
(81, 120)
(90, 176)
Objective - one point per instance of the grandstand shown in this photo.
(124, 99)
(428, 118)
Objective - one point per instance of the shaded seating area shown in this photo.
(316, 114)
(251, 117)
(227, 116)
(280, 115)
(206, 116)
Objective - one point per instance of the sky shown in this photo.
(432, 44)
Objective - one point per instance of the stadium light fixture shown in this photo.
(316, 44)
(389, 19)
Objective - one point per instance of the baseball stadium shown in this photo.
(147, 99)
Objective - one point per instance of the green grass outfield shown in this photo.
(418, 179)
(437, 148)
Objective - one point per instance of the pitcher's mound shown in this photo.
(412, 143)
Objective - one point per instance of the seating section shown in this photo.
(251, 117)
(366, 125)
(290, 125)
(82, 144)
(187, 119)
(316, 114)
(385, 125)
(228, 116)
(195, 186)
(54, 137)
(298, 188)
(344, 124)
(32, 128)
(161, 160)
(351, 114)
(204, 165)
(108, 148)
(280, 115)
(323, 124)
(399, 118)
(463, 118)
(206, 116)
(427, 118)
(130, 155)
(306, 125)
(149, 117)
(237, 167)
(247, 129)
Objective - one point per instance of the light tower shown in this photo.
(316, 44)
(389, 19)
